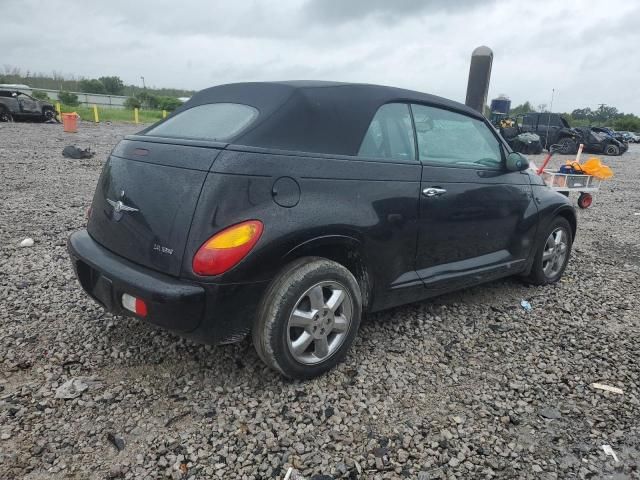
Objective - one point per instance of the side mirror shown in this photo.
(516, 162)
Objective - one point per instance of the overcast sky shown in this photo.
(588, 51)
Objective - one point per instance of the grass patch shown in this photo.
(114, 114)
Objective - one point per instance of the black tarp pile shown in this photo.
(71, 151)
(525, 142)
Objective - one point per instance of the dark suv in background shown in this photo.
(555, 130)
(552, 130)
(17, 105)
(285, 210)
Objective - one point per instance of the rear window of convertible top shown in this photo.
(212, 121)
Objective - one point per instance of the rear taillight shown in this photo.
(225, 249)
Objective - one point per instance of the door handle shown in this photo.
(433, 192)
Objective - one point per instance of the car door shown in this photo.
(476, 219)
(549, 126)
(27, 104)
(389, 205)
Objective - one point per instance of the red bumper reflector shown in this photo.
(134, 305)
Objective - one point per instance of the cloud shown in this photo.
(340, 11)
(588, 55)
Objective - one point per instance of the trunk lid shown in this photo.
(145, 199)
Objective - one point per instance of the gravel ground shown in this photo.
(468, 385)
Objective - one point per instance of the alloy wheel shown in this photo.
(555, 252)
(319, 322)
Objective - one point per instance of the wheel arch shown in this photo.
(565, 211)
(343, 249)
(570, 215)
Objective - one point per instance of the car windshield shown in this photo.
(213, 121)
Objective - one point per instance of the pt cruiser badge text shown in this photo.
(161, 249)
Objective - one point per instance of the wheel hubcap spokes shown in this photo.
(555, 252)
(319, 322)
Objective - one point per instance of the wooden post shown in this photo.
(58, 110)
(479, 76)
(135, 115)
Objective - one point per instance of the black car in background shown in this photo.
(601, 140)
(286, 210)
(604, 140)
(17, 105)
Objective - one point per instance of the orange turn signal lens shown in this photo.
(225, 249)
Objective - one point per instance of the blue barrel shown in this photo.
(501, 104)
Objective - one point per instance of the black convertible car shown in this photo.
(287, 210)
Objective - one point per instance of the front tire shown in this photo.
(552, 254)
(612, 150)
(308, 318)
(48, 114)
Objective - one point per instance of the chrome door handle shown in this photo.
(433, 192)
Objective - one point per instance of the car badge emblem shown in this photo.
(119, 206)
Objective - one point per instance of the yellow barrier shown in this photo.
(164, 114)
(95, 114)
(58, 110)
(135, 115)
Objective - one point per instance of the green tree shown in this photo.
(582, 114)
(68, 98)
(148, 100)
(92, 85)
(526, 107)
(628, 123)
(40, 95)
(168, 103)
(132, 102)
(605, 113)
(113, 85)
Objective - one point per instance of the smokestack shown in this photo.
(479, 76)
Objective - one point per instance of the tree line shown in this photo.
(603, 116)
(151, 98)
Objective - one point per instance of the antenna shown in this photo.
(546, 139)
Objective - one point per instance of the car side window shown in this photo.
(390, 134)
(548, 119)
(454, 139)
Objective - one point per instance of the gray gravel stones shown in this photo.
(550, 413)
(448, 388)
(72, 388)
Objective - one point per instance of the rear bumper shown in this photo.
(210, 313)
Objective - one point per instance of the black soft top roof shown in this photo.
(313, 116)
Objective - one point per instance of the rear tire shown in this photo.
(552, 253)
(567, 146)
(5, 115)
(308, 318)
(612, 150)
